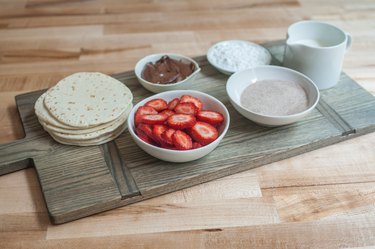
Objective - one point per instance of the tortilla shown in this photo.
(94, 133)
(84, 100)
(107, 126)
(45, 116)
(92, 142)
(52, 124)
(85, 109)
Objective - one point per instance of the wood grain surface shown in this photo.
(321, 199)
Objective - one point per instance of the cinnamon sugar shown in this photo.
(274, 98)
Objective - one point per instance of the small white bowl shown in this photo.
(179, 156)
(239, 81)
(260, 55)
(157, 88)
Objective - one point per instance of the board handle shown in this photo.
(17, 155)
(120, 173)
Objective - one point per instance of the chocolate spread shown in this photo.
(167, 71)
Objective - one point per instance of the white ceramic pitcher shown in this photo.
(317, 50)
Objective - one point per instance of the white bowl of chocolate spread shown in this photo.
(165, 72)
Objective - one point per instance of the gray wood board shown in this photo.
(80, 181)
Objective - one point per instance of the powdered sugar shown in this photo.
(236, 55)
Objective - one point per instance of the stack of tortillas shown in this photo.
(85, 109)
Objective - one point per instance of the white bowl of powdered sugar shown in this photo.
(235, 55)
(272, 95)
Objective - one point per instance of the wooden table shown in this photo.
(321, 199)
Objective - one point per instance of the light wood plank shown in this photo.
(330, 165)
(165, 217)
(339, 233)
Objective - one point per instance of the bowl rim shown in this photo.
(146, 60)
(230, 71)
(274, 67)
(190, 92)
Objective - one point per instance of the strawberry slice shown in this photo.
(167, 112)
(182, 141)
(197, 145)
(191, 99)
(210, 117)
(143, 136)
(186, 108)
(153, 119)
(143, 110)
(173, 103)
(157, 131)
(157, 104)
(167, 136)
(203, 133)
(181, 121)
(146, 129)
(168, 146)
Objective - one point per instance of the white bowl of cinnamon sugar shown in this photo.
(165, 72)
(272, 95)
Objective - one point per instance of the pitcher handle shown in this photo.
(348, 41)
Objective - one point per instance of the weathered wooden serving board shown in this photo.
(80, 181)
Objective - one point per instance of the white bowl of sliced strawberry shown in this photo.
(178, 126)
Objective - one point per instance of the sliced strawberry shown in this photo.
(157, 104)
(146, 129)
(153, 119)
(191, 99)
(173, 103)
(203, 133)
(181, 121)
(210, 117)
(182, 141)
(143, 136)
(196, 145)
(167, 136)
(168, 146)
(143, 110)
(187, 130)
(157, 131)
(167, 112)
(186, 108)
